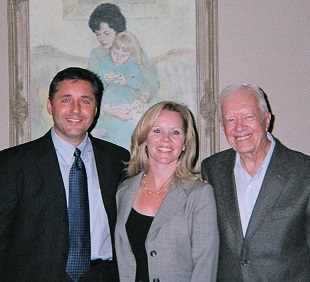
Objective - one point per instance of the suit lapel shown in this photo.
(229, 193)
(108, 181)
(104, 175)
(48, 163)
(274, 182)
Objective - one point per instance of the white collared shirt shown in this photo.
(248, 187)
(101, 246)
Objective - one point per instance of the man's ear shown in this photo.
(49, 106)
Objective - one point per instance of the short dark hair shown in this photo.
(110, 14)
(76, 73)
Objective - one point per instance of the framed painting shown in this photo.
(179, 40)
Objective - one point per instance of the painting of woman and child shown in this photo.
(133, 80)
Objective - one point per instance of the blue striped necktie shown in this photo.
(78, 213)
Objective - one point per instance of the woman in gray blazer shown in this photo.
(166, 226)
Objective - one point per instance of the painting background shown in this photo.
(60, 37)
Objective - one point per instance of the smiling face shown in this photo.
(105, 35)
(244, 124)
(165, 141)
(73, 109)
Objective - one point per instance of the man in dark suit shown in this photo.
(262, 191)
(34, 186)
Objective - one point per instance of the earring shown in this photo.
(183, 149)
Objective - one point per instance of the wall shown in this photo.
(264, 42)
(267, 43)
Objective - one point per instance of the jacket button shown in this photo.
(156, 280)
(244, 262)
(153, 254)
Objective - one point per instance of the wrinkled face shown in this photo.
(105, 35)
(119, 56)
(244, 125)
(73, 109)
(165, 141)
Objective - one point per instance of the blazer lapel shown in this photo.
(174, 201)
(128, 194)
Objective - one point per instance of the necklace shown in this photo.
(162, 189)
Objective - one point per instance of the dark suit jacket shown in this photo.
(277, 241)
(33, 210)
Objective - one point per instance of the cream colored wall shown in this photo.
(264, 42)
(4, 78)
(267, 43)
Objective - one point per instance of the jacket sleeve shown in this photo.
(8, 207)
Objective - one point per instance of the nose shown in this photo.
(101, 38)
(166, 137)
(240, 125)
(75, 106)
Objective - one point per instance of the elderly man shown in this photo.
(262, 192)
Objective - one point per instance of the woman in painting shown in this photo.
(166, 226)
(106, 21)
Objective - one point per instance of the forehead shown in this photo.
(116, 50)
(75, 86)
(104, 27)
(243, 99)
(169, 117)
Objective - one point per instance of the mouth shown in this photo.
(245, 137)
(164, 149)
(73, 120)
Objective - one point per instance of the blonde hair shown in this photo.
(128, 42)
(139, 155)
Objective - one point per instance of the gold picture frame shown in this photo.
(206, 66)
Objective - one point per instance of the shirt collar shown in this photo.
(65, 149)
(266, 161)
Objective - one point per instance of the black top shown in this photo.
(137, 228)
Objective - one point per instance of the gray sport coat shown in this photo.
(277, 241)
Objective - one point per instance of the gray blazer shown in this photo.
(183, 241)
(277, 241)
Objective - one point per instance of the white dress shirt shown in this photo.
(248, 187)
(101, 246)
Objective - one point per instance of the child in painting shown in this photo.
(122, 104)
(106, 22)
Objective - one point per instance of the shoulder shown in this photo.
(219, 157)
(291, 159)
(197, 194)
(105, 58)
(28, 149)
(132, 179)
(99, 51)
(27, 155)
(109, 149)
(195, 187)
(128, 184)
